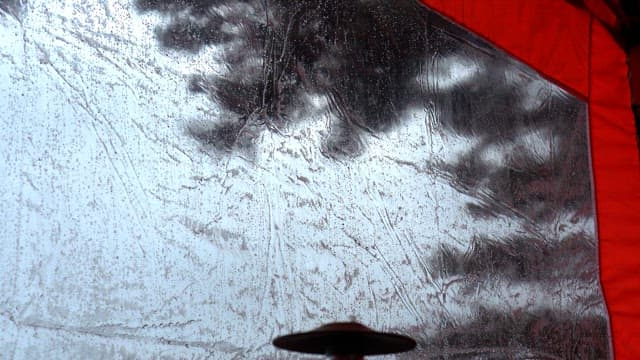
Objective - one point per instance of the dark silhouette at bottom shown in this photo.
(345, 340)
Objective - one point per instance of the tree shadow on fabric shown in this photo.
(370, 62)
(519, 259)
(12, 7)
(539, 334)
(362, 57)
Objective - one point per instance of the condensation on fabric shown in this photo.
(190, 179)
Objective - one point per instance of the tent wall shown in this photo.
(572, 49)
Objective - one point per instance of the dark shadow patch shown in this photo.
(520, 259)
(362, 56)
(12, 8)
(166, 6)
(542, 334)
(186, 34)
(524, 181)
(222, 135)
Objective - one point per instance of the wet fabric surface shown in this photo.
(192, 179)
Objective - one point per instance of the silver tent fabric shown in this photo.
(190, 179)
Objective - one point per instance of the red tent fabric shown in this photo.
(572, 47)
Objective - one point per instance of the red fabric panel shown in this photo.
(554, 41)
(557, 40)
(617, 182)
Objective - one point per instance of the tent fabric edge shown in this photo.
(616, 188)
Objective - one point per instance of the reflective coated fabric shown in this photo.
(191, 179)
(545, 34)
